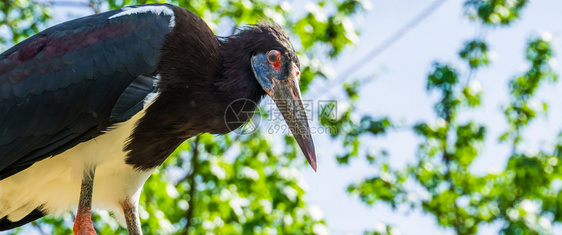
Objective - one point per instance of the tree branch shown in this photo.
(190, 178)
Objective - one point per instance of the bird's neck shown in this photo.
(238, 79)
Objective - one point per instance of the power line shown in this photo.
(382, 47)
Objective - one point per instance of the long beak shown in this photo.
(287, 96)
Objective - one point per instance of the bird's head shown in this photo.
(277, 69)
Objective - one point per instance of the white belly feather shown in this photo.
(55, 182)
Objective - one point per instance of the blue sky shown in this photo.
(399, 92)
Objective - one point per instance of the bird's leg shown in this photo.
(130, 209)
(83, 222)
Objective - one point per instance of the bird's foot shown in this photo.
(83, 224)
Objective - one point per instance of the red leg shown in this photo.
(83, 222)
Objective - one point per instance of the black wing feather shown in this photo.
(6, 224)
(131, 100)
(59, 87)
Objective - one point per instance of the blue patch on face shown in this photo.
(263, 71)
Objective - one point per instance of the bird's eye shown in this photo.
(273, 56)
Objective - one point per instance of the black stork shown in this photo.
(91, 107)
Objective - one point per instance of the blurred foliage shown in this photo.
(257, 192)
(525, 197)
(476, 53)
(20, 19)
(494, 12)
(234, 184)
